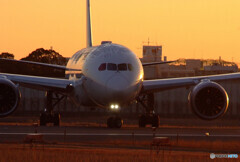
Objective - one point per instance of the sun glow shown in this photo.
(185, 28)
(141, 77)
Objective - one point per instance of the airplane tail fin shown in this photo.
(89, 28)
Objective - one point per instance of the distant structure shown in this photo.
(183, 67)
(152, 53)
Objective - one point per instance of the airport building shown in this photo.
(152, 53)
(183, 67)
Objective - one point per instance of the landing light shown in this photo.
(113, 106)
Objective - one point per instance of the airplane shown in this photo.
(111, 76)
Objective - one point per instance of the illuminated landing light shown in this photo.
(113, 106)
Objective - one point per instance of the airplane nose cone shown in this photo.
(117, 84)
(117, 88)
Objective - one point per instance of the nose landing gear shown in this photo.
(114, 122)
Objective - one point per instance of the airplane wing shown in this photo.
(40, 83)
(156, 85)
(156, 63)
(38, 63)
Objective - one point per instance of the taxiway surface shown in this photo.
(12, 133)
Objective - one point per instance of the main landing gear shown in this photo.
(147, 101)
(48, 116)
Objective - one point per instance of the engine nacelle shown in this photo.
(208, 100)
(9, 97)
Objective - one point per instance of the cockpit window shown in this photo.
(102, 67)
(115, 67)
(130, 68)
(112, 67)
(122, 67)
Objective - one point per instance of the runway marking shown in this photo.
(125, 134)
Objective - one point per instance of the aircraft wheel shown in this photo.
(118, 122)
(155, 121)
(56, 119)
(142, 121)
(43, 119)
(110, 122)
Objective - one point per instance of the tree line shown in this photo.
(39, 55)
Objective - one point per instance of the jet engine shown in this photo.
(9, 97)
(208, 100)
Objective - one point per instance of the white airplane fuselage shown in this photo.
(110, 74)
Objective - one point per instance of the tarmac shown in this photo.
(76, 134)
(84, 129)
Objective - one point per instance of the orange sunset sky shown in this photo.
(185, 28)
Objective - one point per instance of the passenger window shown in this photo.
(130, 68)
(122, 67)
(112, 67)
(102, 67)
